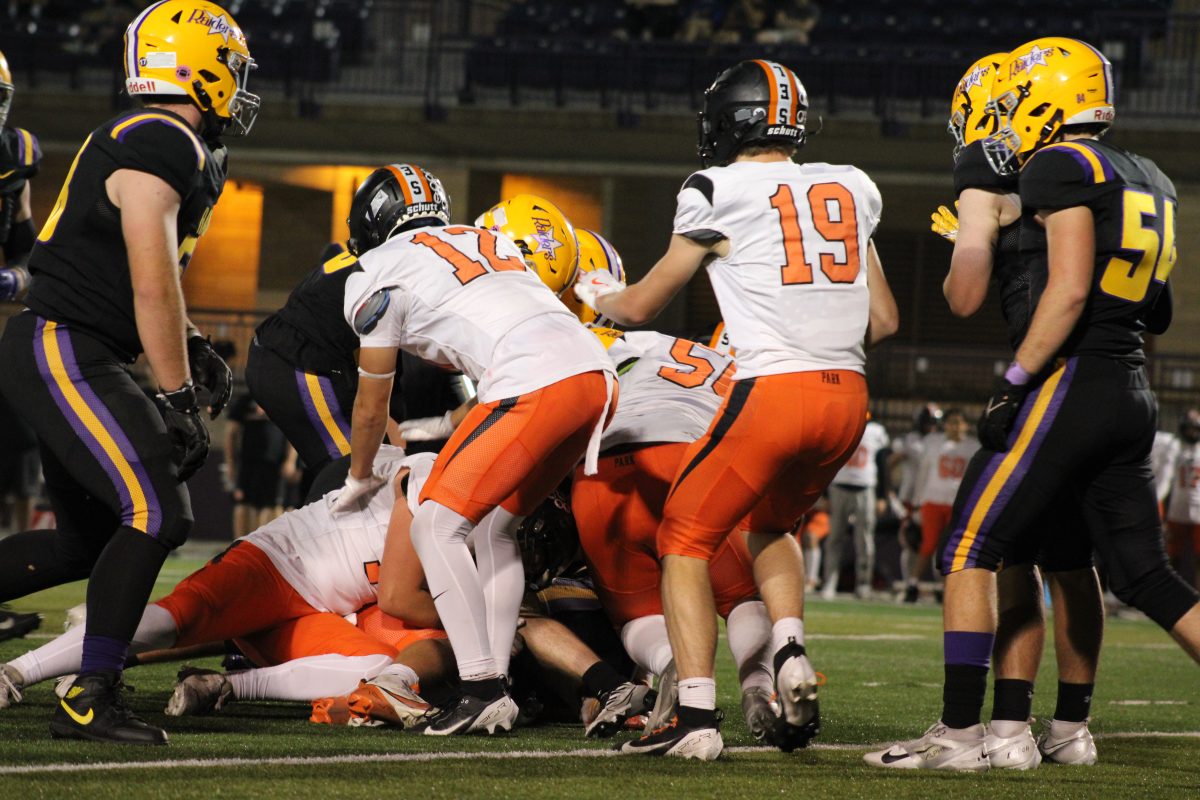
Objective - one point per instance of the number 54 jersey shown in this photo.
(463, 296)
(793, 287)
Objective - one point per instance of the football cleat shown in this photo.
(389, 699)
(14, 625)
(63, 685)
(330, 711)
(1067, 743)
(761, 713)
(796, 685)
(470, 714)
(664, 705)
(673, 739)
(10, 686)
(95, 709)
(627, 700)
(952, 749)
(1019, 751)
(199, 691)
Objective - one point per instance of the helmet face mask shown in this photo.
(243, 106)
(6, 90)
(970, 112)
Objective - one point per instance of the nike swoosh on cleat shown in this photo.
(82, 719)
(888, 758)
(7, 624)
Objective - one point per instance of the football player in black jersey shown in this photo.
(302, 366)
(106, 288)
(20, 157)
(1073, 415)
(986, 247)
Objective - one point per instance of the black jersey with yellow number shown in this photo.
(310, 331)
(972, 171)
(79, 264)
(1133, 205)
(20, 157)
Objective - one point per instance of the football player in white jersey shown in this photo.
(1183, 511)
(789, 252)
(464, 296)
(283, 594)
(852, 494)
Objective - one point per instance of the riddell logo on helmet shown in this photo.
(1104, 115)
(141, 86)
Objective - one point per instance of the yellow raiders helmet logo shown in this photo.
(542, 232)
(970, 116)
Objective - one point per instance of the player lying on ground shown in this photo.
(282, 594)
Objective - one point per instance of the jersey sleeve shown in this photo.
(162, 148)
(374, 312)
(873, 210)
(1063, 177)
(695, 212)
(972, 171)
(20, 158)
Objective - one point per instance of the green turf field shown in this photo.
(883, 664)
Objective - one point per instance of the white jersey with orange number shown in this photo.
(670, 389)
(861, 469)
(943, 464)
(463, 296)
(332, 560)
(1185, 491)
(793, 288)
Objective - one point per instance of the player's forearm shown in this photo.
(966, 283)
(1057, 313)
(884, 316)
(633, 306)
(160, 318)
(368, 424)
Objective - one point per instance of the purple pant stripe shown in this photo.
(314, 417)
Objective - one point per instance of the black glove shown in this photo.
(189, 438)
(1000, 413)
(210, 373)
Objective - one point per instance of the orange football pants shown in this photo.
(618, 511)
(935, 518)
(773, 447)
(514, 452)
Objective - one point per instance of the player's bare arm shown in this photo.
(25, 207)
(979, 222)
(149, 211)
(885, 316)
(643, 301)
(402, 590)
(1071, 245)
(376, 369)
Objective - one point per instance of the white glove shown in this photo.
(427, 429)
(591, 286)
(354, 490)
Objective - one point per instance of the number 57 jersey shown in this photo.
(793, 287)
(462, 296)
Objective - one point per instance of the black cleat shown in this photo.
(95, 709)
(14, 625)
(700, 741)
(789, 737)
(911, 593)
(470, 714)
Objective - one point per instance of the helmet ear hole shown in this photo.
(1040, 110)
(210, 77)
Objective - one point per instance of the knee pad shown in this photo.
(1160, 594)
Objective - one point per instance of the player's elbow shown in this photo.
(404, 603)
(962, 304)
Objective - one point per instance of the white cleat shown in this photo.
(390, 699)
(668, 698)
(10, 686)
(796, 687)
(199, 691)
(1067, 743)
(943, 748)
(1018, 751)
(627, 700)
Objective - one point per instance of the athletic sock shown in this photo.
(748, 629)
(1012, 700)
(646, 641)
(1074, 701)
(103, 654)
(502, 579)
(788, 628)
(698, 693)
(967, 655)
(600, 679)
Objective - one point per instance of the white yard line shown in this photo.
(402, 758)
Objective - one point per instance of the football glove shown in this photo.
(591, 286)
(945, 223)
(354, 490)
(189, 438)
(13, 282)
(427, 429)
(210, 373)
(1000, 413)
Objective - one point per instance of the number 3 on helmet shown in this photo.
(193, 49)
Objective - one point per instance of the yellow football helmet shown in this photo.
(192, 49)
(595, 253)
(6, 90)
(543, 233)
(970, 116)
(1042, 86)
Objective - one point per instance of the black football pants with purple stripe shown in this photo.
(1081, 444)
(109, 474)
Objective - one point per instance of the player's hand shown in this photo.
(354, 490)
(14, 281)
(427, 429)
(210, 372)
(945, 223)
(1000, 413)
(591, 286)
(189, 438)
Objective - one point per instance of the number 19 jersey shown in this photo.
(463, 297)
(793, 288)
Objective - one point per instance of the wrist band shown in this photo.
(380, 375)
(1016, 375)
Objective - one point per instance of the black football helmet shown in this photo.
(549, 540)
(754, 101)
(393, 199)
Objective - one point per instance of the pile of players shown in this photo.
(686, 477)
